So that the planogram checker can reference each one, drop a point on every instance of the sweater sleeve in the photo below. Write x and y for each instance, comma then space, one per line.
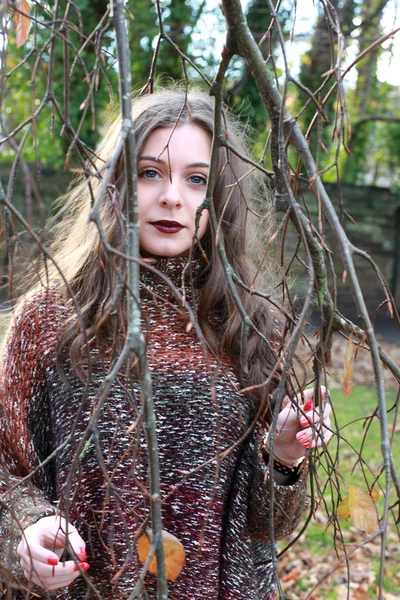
25, 435
289, 501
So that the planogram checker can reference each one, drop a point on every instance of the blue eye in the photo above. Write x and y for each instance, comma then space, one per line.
198, 179
148, 173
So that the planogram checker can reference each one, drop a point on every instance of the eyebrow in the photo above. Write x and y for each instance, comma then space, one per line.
163, 162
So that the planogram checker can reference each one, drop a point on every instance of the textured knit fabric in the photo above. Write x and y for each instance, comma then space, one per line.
219, 510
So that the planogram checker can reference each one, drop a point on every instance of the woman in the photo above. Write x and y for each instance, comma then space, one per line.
62, 344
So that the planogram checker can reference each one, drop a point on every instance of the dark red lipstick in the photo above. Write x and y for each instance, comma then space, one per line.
167, 226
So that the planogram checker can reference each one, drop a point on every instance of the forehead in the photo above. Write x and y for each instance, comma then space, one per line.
185, 141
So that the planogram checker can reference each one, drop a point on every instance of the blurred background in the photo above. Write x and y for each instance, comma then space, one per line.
362, 175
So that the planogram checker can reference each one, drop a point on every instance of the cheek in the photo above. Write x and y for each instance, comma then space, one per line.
143, 200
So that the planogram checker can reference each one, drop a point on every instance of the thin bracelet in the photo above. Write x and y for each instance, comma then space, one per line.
281, 467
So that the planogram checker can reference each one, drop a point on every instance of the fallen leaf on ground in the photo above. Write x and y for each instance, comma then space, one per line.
361, 594
290, 576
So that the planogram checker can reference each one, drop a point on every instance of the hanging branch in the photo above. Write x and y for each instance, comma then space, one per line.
135, 341
280, 116
284, 131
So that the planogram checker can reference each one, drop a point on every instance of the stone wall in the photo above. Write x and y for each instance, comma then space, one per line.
376, 212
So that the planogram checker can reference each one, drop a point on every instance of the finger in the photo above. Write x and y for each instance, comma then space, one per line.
50, 539
308, 397
314, 423
54, 583
322, 439
315, 436
77, 545
305, 437
32, 550
314, 416
327, 410
288, 416
63, 569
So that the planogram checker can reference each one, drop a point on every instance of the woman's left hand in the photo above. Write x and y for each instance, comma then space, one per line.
301, 427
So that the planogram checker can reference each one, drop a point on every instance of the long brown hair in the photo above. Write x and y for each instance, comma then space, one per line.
93, 278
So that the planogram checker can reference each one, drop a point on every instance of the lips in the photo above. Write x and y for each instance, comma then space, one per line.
167, 226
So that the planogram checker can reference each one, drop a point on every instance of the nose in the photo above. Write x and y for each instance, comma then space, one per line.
171, 195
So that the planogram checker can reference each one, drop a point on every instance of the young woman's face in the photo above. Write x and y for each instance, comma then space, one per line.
168, 200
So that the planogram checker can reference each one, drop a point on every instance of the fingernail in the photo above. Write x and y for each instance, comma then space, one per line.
301, 436
52, 561
82, 553
308, 405
304, 422
83, 566
307, 444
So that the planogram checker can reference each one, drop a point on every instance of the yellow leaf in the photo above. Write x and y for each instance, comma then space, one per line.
174, 554
360, 507
347, 385
22, 22
374, 494
343, 510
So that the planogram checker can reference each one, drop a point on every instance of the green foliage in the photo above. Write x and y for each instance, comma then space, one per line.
375, 148
180, 20
27, 86
375, 143
142, 32
242, 93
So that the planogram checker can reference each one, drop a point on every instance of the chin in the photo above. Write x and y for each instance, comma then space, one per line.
165, 252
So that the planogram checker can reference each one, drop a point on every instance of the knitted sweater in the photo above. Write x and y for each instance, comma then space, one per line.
220, 511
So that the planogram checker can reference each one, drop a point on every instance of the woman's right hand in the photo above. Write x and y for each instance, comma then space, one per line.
41, 548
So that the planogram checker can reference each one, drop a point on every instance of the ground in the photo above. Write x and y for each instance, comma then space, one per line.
311, 569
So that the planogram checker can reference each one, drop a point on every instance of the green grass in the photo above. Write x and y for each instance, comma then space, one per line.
360, 431
358, 435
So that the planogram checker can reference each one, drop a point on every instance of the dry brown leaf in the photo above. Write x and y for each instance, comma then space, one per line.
360, 507
290, 576
22, 22
347, 385
361, 594
174, 554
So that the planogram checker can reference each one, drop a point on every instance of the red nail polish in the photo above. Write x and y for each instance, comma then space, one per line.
83, 566
307, 444
52, 561
301, 436
308, 405
304, 422
82, 554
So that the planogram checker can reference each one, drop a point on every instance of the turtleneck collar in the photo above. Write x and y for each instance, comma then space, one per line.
179, 270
